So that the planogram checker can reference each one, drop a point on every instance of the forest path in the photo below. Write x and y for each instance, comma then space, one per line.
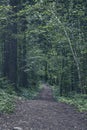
45, 93
43, 114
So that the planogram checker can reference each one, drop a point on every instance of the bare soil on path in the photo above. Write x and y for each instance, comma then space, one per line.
43, 113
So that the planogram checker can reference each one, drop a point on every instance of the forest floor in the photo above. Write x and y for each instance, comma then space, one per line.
43, 113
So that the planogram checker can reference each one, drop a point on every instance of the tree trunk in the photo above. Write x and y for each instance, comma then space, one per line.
10, 47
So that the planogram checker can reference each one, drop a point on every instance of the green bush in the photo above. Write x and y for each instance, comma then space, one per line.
6, 102
55, 92
80, 101
28, 93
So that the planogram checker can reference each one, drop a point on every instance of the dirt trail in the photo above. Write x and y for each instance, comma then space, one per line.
46, 94
43, 114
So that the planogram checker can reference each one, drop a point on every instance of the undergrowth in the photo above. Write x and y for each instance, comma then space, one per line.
27, 93
6, 102
78, 100
8, 94
31, 92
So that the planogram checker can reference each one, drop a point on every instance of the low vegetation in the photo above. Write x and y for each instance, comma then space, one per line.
78, 100
8, 95
29, 93
6, 102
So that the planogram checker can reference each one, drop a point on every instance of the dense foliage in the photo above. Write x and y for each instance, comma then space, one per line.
44, 40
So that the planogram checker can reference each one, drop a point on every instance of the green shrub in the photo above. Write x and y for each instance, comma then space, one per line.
28, 93
6, 102
7, 86
55, 91
78, 100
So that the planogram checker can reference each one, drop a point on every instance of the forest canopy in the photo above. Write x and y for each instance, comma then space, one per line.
44, 40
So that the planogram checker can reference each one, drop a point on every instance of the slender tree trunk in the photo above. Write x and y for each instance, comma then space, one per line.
70, 45
74, 56
73, 53
23, 76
